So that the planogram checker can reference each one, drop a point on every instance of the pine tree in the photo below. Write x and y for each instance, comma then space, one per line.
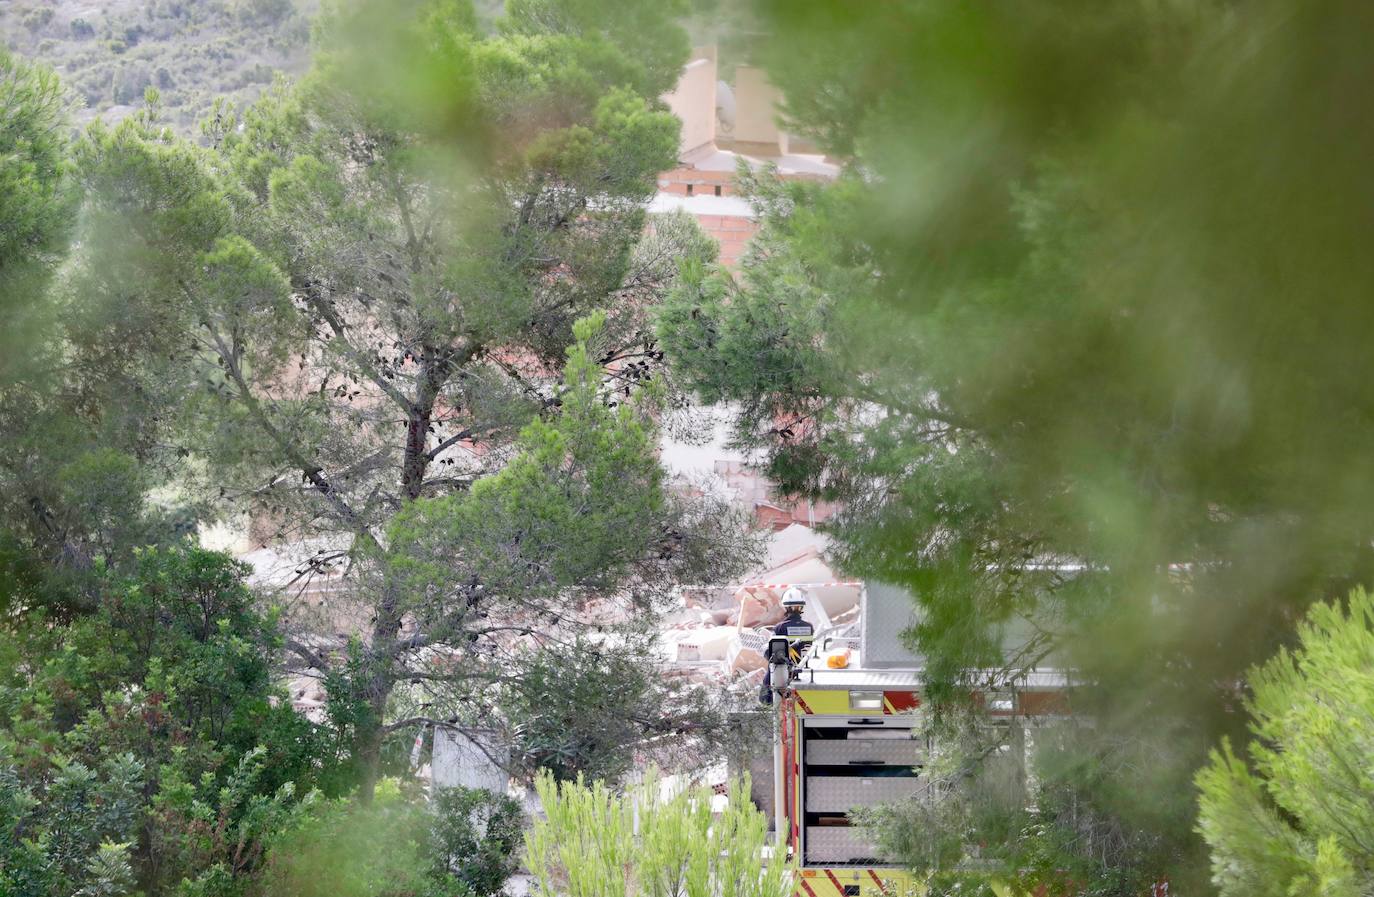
377, 274
1296, 819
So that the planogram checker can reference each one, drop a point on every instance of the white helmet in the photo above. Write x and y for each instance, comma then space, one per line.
794, 597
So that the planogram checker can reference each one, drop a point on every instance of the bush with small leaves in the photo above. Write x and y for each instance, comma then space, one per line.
589, 844
150, 720
263, 11
475, 837
37, 19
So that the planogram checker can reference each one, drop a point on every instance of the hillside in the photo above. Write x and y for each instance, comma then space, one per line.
109, 51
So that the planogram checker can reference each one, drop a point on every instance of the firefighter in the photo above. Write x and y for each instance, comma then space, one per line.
798, 632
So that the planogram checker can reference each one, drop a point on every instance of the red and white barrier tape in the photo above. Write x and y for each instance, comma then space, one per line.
800, 585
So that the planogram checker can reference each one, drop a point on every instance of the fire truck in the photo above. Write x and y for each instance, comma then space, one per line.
850, 733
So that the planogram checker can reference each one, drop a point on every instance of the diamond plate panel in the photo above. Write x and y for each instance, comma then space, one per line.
872, 751
837, 844
840, 794
887, 612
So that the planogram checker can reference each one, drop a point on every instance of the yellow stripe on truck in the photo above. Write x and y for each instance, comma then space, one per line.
831, 882
832, 702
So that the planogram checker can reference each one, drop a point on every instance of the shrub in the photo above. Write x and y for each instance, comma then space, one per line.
346, 849
261, 11
35, 19
588, 844
463, 845
131, 82
474, 837
150, 720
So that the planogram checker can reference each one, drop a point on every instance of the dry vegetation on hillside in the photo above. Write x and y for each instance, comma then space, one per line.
109, 51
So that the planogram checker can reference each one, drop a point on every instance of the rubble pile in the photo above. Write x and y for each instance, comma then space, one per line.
718, 634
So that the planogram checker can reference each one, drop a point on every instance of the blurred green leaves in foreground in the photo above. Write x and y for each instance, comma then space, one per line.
1121, 254
1080, 339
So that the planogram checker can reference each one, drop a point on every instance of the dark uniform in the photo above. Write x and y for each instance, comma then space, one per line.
799, 635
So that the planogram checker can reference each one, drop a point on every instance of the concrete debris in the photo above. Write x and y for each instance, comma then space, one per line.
308, 697
740, 660
706, 643
706, 639
759, 607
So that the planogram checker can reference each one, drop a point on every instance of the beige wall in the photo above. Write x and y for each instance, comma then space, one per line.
756, 103
694, 101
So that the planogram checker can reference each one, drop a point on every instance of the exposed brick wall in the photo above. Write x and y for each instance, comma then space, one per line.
731, 233
701, 183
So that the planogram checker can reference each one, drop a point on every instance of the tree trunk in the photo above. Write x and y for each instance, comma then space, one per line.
369, 739
386, 628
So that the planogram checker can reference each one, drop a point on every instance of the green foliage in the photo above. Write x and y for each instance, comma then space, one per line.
71, 506
595, 843
372, 281
263, 12
86, 410
1295, 820
475, 839
33, 144
144, 748
643, 40
579, 509
59, 838
108, 874
1076, 339
145, 738
415, 238
368, 282
1031, 811
580, 503
591, 706
335, 851
35, 202
461, 845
